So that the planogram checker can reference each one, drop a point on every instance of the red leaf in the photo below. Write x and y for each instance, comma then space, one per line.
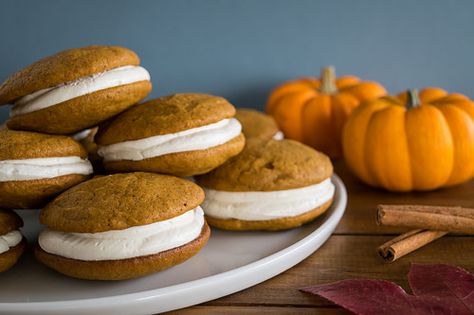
438, 289
377, 297
453, 284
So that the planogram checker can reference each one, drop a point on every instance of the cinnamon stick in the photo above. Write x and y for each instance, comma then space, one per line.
438, 218
407, 243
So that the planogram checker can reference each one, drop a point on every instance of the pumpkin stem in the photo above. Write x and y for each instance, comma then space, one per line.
328, 80
413, 99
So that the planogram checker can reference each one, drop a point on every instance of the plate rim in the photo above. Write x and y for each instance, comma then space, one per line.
83, 306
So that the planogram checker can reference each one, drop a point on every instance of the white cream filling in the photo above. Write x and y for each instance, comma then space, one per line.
199, 138
278, 136
9, 240
122, 244
267, 205
81, 135
30, 169
86, 85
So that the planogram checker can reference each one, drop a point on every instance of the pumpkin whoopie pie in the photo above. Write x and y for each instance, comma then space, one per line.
256, 124
122, 226
271, 185
74, 89
12, 243
35, 167
182, 134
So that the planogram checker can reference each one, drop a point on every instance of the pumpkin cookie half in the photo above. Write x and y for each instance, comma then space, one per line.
35, 167
74, 89
122, 226
271, 185
182, 134
259, 125
12, 243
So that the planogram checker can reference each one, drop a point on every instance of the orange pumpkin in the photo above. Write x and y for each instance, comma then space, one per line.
314, 111
412, 142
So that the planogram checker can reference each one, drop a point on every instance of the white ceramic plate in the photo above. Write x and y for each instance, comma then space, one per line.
231, 261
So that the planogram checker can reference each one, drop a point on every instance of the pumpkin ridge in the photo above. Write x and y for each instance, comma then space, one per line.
465, 105
463, 151
294, 86
289, 121
388, 157
354, 150
338, 118
373, 180
315, 115
398, 171
435, 169
346, 81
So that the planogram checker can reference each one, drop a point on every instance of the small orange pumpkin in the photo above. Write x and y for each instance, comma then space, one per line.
412, 142
314, 111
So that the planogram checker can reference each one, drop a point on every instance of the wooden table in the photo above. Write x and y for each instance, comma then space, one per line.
350, 253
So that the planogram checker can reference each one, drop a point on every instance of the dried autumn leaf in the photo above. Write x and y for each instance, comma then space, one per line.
383, 297
453, 284
377, 297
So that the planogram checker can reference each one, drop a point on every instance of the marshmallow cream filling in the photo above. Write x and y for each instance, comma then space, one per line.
81, 135
9, 240
122, 244
267, 205
278, 136
199, 138
86, 85
30, 169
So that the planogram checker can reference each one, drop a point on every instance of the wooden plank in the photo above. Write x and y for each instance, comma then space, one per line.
363, 200
262, 310
346, 257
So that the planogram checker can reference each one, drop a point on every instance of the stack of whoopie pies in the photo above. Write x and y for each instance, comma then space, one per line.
140, 215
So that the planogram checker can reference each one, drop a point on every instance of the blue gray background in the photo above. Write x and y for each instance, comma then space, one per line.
240, 49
